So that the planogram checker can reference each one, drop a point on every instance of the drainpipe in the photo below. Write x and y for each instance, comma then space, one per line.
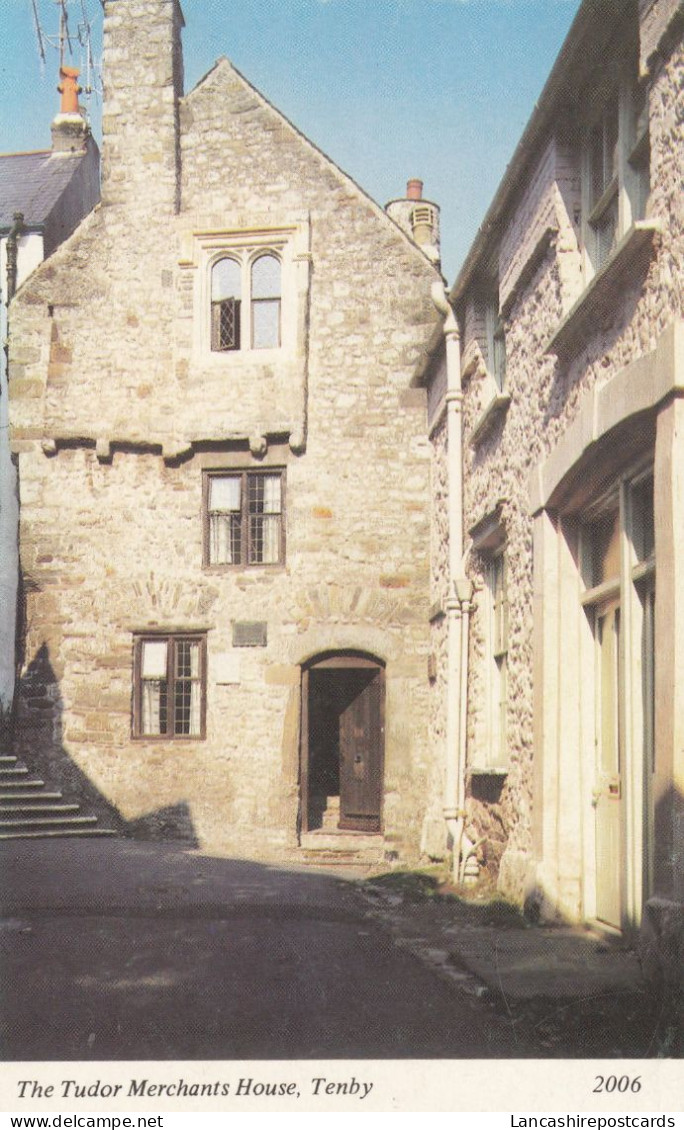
12, 252
458, 605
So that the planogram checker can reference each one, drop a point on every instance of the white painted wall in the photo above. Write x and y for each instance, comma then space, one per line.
30, 254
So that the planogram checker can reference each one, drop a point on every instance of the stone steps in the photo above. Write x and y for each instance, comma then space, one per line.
335, 859
326, 848
51, 833
29, 810
31, 822
38, 806
331, 814
33, 784
331, 846
7, 798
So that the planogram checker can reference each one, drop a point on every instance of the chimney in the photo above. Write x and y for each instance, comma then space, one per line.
69, 128
418, 218
143, 85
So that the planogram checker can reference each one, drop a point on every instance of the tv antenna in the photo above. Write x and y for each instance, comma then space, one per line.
72, 40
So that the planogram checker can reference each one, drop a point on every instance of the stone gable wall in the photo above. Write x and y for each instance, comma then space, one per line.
113, 436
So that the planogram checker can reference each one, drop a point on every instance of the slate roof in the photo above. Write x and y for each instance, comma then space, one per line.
32, 183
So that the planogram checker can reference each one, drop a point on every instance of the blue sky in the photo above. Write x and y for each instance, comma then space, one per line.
390, 89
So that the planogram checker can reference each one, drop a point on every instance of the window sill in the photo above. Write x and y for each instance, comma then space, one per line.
237, 356
175, 738
496, 407
437, 612
274, 567
488, 771
599, 297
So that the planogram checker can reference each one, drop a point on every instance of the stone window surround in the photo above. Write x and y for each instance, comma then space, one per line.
488, 354
637, 389
171, 637
489, 542
642, 396
632, 254
572, 662
203, 249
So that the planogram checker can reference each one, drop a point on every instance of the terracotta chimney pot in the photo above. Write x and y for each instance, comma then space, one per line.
69, 89
414, 189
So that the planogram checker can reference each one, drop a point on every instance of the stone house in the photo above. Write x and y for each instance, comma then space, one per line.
224, 478
43, 196
557, 592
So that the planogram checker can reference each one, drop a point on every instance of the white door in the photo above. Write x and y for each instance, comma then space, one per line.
608, 802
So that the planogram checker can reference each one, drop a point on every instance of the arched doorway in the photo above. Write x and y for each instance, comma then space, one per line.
342, 743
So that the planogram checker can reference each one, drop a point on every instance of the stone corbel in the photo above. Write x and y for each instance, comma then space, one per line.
297, 443
103, 449
49, 446
175, 449
258, 445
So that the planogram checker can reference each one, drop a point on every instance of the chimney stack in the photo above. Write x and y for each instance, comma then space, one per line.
143, 85
418, 218
69, 89
69, 128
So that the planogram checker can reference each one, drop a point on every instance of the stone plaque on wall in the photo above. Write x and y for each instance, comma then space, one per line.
249, 633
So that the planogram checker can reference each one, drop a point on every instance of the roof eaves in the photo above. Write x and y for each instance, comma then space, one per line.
27, 153
32, 229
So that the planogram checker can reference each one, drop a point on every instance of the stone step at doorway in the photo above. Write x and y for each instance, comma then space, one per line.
330, 817
335, 848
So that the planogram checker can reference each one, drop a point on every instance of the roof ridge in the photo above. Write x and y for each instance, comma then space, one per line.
26, 153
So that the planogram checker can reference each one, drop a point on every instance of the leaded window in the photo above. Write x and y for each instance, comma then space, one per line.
169, 686
244, 518
265, 291
226, 294
246, 302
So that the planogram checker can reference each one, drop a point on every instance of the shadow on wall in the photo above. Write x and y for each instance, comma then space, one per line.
661, 938
38, 743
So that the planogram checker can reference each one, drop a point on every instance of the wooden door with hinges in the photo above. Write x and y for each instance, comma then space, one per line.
342, 744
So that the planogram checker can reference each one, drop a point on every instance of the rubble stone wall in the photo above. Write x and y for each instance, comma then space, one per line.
545, 394
113, 435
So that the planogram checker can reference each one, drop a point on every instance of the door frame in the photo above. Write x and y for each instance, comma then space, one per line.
346, 659
630, 594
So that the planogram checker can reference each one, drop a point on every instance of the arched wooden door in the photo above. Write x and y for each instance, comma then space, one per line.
342, 745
